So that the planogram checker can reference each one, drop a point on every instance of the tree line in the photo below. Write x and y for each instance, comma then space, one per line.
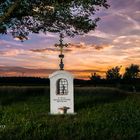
131, 72
129, 80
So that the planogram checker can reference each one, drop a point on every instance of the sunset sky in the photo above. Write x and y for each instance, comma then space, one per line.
115, 42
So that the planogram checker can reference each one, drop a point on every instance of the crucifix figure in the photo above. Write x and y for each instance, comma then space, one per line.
61, 46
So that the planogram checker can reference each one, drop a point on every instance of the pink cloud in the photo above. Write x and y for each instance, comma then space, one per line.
89, 47
10, 53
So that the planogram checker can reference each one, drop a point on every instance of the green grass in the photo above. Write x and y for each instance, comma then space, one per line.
102, 113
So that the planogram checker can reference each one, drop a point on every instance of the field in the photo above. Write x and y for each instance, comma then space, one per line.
102, 114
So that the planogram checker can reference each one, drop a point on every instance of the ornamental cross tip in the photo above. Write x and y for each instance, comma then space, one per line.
61, 46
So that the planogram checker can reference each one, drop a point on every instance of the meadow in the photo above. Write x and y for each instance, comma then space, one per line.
102, 114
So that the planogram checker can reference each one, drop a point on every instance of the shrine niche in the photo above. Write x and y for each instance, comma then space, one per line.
62, 87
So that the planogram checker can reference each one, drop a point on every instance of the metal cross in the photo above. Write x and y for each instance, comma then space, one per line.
61, 46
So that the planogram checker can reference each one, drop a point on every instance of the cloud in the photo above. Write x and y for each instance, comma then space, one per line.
73, 48
10, 53
120, 18
48, 35
103, 46
49, 50
137, 12
134, 23
4, 43
43, 50
129, 41
100, 34
22, 71
77, 46
86, 47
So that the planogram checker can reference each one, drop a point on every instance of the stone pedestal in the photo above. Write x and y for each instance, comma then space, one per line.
61, 93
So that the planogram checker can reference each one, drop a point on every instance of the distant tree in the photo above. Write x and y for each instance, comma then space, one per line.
131, 72
113, 73
95, 77
20, 17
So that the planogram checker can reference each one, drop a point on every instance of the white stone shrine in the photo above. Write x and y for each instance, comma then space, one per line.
61, 93
61, 88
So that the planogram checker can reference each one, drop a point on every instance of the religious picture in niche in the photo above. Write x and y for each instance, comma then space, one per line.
62, 87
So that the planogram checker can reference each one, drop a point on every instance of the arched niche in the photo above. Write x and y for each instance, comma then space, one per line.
62, 86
